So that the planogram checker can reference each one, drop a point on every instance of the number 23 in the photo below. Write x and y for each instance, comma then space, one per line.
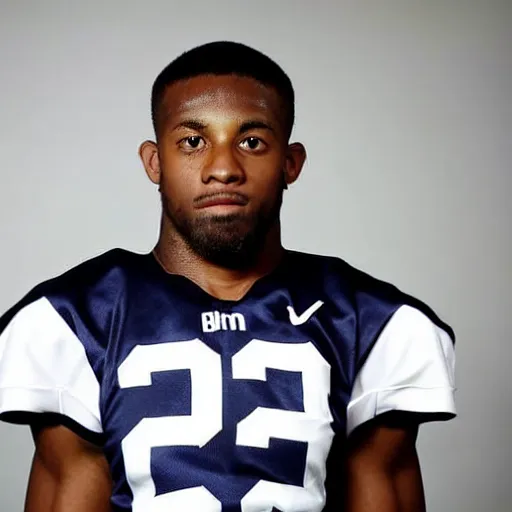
313, 425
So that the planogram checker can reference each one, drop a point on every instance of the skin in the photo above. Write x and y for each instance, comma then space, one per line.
382, 468
224, 135
68, 473
221, 108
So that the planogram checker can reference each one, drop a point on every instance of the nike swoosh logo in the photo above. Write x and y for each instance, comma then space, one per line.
304, 317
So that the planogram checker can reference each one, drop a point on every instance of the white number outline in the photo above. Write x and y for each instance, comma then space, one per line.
312, 426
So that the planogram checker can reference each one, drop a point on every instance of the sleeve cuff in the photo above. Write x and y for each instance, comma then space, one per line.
406, 399
58, 401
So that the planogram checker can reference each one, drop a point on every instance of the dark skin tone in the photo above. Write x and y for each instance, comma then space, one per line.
223, 150
242, 148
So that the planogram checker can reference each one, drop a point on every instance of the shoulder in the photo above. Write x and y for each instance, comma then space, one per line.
401, 352
374, 300
53, 341
98, 278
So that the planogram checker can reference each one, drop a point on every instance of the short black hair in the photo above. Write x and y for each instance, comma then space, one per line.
225, 58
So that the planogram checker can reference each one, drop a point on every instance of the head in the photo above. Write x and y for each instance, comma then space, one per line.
223, 114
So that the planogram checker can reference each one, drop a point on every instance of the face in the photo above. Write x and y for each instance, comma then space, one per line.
222, 162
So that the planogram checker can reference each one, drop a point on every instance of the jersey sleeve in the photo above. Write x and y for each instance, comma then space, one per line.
44, 368
409, 367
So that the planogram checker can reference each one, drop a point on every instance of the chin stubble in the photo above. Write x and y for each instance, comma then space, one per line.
232, 241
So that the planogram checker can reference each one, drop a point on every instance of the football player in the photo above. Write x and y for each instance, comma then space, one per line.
221, 372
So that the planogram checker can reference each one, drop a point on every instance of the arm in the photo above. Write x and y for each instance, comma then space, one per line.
383, 472
406, 379
67, 473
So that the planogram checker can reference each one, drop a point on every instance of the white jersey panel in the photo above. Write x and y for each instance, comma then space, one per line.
410, 368
44, 368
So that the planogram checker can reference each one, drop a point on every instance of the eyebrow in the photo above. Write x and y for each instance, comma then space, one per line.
254, 125
196, 124
193, 124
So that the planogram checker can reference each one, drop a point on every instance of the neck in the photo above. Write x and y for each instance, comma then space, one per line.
176, 257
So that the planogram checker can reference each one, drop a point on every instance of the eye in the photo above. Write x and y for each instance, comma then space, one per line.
191, 143
253, 144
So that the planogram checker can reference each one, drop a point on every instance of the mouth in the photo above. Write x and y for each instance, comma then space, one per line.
222, 200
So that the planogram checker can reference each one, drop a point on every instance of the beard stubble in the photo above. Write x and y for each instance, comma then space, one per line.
233, 240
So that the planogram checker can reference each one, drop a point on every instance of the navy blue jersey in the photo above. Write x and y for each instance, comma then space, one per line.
215, 405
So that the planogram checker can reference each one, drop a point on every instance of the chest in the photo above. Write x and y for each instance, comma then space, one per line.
225, 403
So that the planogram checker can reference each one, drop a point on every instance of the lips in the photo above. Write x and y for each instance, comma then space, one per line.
221, 199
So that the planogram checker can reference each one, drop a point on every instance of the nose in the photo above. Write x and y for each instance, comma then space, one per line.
223, 167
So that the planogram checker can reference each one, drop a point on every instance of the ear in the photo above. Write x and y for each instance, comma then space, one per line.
148, 152
295, 158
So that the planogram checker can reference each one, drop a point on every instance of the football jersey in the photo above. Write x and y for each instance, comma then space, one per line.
210, 405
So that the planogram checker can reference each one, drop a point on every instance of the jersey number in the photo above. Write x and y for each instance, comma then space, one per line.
205, 421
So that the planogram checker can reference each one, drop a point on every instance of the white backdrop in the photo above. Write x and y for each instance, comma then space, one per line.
406, 110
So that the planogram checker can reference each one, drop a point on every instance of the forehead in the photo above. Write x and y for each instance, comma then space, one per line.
229, 94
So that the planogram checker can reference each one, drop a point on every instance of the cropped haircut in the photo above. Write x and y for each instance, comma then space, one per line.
225, 58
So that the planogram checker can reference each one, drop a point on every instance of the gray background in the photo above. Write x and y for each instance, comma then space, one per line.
405, 108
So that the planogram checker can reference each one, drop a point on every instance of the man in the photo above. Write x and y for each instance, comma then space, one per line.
222, 372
